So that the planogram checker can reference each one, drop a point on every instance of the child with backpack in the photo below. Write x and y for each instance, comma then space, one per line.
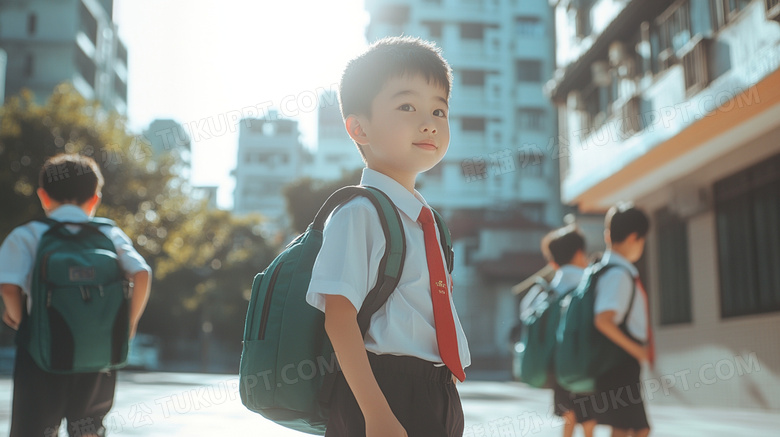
398, 380
564, 249
621, 315
65, 283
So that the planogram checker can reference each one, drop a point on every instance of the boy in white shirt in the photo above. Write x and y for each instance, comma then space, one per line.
621, 314
400, 379
69, 191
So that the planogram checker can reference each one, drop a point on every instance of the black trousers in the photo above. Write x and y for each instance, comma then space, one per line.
618, 400
42, 399
423, 398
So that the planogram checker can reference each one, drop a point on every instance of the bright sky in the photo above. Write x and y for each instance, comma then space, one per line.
203, 62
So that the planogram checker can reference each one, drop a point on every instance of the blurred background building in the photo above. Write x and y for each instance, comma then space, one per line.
336, 154
270, 156
52, 41
675, 105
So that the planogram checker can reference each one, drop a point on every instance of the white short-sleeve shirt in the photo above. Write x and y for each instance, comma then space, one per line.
613, 293
348, 265
566, 279
18, 251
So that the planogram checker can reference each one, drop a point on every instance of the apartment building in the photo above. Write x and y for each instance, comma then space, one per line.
675, 105
52, 41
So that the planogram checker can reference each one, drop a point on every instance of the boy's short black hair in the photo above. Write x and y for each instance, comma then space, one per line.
387, 58
623, 220
70, 178
562, 244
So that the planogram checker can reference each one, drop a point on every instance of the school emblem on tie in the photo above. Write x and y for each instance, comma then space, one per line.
442, 287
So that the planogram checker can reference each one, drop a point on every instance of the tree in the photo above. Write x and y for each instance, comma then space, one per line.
305, 196
199, 256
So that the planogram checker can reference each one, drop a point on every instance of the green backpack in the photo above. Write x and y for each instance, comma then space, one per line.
287, 363
582, 352
80, 318
534, 352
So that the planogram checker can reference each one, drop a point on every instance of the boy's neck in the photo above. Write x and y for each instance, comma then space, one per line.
57, 205
406, 180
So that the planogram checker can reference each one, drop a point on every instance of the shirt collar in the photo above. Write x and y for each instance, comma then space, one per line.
568, 275
611, 257
69, 213
409, 203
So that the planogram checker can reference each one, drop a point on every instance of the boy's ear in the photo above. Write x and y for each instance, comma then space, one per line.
45, 199
355, 129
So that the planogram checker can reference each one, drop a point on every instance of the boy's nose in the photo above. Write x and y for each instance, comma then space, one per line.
428, 126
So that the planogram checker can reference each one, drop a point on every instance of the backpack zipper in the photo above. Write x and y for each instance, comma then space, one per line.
267, 302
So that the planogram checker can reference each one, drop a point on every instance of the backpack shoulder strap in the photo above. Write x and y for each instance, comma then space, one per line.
446, 239
391, 264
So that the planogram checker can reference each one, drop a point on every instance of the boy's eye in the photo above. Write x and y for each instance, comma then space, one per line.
406, 107
439, 113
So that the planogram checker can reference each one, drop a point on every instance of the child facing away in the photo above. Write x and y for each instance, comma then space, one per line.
400, 379
69, 191
564, 249
624, 320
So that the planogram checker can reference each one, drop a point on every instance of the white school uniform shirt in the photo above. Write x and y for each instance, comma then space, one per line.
566, 279
613, 293
348, 265
19, 250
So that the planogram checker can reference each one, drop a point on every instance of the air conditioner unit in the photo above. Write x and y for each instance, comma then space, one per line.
630, 117
617, 53
696, 66
773, 10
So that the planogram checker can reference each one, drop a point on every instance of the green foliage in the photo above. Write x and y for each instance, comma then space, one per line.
200, 257
305, 196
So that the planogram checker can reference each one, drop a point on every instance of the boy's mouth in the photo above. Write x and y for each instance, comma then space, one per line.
427, 145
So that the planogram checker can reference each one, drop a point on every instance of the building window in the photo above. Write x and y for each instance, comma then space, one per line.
531, 163
89, 24
29, 65
674, 31
533, 211
674, 279
530, 119
529, 27
86, 66
434, 29
528, 71
473, 124
472, 78
32, 24
747, 207
472, 31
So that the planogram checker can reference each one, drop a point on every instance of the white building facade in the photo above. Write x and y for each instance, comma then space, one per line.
54, 41
675, 105
270, 156
336, 153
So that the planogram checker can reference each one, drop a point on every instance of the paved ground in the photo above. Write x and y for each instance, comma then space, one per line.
179, 404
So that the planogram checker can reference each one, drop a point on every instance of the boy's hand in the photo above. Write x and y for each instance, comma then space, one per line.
384, 425
13, 324
640, 353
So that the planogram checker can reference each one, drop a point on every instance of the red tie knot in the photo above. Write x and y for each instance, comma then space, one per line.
425, 216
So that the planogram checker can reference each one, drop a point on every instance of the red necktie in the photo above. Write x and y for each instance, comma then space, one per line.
446, 336
650, 340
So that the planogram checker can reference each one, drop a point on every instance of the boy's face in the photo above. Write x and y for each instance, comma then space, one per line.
409, 131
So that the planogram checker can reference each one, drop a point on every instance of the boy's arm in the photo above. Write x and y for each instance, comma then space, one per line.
605, 323
14, 304
344, 333
142, 282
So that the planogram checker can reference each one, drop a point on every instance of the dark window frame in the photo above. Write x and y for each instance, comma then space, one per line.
674, 279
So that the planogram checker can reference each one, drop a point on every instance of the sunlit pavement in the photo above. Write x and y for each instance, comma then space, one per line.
180, 404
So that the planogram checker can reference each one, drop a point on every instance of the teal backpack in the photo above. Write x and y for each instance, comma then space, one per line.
287, 363
80, 319
582, 352
534, 353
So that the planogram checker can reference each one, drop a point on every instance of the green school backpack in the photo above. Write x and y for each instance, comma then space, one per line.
80, 319
582, 352
534, 352
287, 363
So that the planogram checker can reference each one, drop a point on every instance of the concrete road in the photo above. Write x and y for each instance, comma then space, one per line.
181, 404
